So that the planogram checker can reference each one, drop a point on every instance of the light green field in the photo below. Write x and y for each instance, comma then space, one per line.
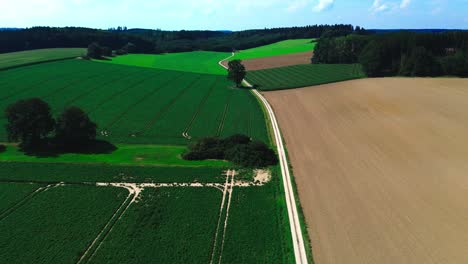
276, 49
15, 59
148, 155
197, 61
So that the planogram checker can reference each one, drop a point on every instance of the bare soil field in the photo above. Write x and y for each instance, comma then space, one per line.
381, 167
276, 61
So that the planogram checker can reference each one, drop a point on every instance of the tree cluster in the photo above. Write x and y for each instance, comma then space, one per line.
239, 149
30, 122
159, 41
400, 53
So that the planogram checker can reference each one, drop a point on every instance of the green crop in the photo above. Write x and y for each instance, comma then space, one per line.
21, 58
58, 224
276, 49
196, 61
303, 75
138, 105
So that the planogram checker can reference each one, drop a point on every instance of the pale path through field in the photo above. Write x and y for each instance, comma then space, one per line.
381, 167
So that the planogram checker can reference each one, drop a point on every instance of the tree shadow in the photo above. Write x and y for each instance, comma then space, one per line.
50, 148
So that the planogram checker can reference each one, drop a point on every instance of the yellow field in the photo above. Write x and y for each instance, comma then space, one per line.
381, 167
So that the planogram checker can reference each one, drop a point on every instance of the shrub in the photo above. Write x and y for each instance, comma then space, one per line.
238, 149
2, 148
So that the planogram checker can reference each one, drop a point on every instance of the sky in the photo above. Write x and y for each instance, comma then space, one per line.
234, 14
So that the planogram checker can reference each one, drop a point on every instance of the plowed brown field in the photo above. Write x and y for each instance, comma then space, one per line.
381, 167
276, 61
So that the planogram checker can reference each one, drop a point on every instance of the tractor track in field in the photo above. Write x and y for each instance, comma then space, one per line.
224, 115
223, 201
29, 88
230, 191
198, 110
93, 89
107, 228
23, 201
108, 99
145, 97
167, 107
300, 254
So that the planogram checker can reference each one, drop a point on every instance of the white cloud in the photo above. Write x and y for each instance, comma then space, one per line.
404, 4
323, 5
378, 6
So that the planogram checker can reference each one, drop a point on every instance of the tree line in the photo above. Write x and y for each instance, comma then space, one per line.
400, 53
159, 41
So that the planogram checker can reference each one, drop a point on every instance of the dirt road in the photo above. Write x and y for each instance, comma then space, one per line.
293, 216
381, 167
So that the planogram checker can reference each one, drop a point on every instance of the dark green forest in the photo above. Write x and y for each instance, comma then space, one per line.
159, 41
399, 53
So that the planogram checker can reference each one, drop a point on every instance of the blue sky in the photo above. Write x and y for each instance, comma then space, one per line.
234, 14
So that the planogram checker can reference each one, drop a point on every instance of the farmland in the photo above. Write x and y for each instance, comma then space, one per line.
196, 61
277, 61
303, 75
15, 59
380, 166
69, 218
276, 49
138, 105
175, 215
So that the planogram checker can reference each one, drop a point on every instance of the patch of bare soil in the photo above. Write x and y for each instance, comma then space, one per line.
381, 167
276, 61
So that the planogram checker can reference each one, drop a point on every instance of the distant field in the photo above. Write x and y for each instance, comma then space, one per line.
138, 105
15, 59
197, 61
303, 75
381, 168
276, 49
125, 154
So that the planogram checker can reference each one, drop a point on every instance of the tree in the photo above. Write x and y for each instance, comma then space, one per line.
94, 51
29, 121
74, 128
236, 72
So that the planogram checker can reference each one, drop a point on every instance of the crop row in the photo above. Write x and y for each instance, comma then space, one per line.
57, 224
303, 75
139, 105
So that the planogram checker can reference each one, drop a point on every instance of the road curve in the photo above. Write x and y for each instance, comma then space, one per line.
295, 225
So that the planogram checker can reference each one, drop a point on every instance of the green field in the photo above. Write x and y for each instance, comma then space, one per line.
303, 75
12, 194
196, 61
168, 226
58, 224
143, 111
138, 105
276, 49
79, 173
15, 59
125, 154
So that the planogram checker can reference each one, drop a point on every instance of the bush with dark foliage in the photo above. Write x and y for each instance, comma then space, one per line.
2, 148
74, 128
29, 121
239, 149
